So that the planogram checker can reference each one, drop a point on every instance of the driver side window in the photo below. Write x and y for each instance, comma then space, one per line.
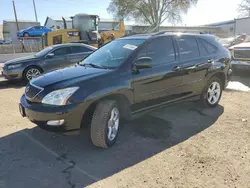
160, 50
61, 51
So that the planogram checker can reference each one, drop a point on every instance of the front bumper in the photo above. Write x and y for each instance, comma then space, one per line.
15, 74
40, 114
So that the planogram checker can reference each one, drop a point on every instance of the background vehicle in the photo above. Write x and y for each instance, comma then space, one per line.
117, 32
228, 42
85, 30
5, 42
51, 58
241, 56
126, 77
34, 31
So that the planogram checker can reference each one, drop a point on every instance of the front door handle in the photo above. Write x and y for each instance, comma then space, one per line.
176, 68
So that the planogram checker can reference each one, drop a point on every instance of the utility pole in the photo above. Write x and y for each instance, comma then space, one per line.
34, 4
14, 8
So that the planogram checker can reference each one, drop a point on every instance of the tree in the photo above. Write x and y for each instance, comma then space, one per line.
244, 8
153, 12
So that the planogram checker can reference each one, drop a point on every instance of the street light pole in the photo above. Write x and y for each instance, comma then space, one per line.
14, 8
34, 4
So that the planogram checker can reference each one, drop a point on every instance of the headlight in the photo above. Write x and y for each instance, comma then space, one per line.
59, 97
14, 66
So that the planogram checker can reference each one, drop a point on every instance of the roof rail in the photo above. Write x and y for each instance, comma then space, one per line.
176, 31
131, 34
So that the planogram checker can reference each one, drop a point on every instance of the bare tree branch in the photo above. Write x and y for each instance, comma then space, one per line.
244, 8
153, 12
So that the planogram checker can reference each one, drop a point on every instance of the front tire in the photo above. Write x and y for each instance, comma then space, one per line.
26, 35
212, 93
105, 124
31, 72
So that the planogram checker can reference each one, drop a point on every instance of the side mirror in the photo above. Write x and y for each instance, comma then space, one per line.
143, 63
50, 55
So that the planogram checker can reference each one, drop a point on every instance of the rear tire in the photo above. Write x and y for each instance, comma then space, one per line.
105, 124
212, 92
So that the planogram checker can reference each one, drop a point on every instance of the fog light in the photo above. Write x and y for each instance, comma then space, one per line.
55, 122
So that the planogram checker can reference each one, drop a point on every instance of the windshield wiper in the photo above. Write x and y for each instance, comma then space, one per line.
93, 65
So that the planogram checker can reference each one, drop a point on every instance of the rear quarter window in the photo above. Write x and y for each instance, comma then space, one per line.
211, 49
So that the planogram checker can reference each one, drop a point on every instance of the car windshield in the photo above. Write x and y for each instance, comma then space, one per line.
113, 54
43, 52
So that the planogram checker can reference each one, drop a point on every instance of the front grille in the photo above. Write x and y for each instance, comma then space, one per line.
32, 91
241, 53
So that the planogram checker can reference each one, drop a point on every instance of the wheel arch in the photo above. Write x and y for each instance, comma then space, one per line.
221, 76
122, 102
25, 32
30, 66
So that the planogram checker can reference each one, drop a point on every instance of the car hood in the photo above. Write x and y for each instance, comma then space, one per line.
20, 60
67, 76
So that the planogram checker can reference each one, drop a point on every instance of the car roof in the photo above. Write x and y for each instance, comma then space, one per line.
164, 33
74, 44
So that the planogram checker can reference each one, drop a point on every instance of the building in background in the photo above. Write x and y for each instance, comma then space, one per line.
221, 29
242, 25
191, 29
1, 32
227, 26
108, 24
10, 28
233, 27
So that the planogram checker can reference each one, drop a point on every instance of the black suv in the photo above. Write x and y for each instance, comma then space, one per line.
126, 77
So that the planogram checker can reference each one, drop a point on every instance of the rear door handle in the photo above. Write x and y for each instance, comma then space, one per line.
176, 68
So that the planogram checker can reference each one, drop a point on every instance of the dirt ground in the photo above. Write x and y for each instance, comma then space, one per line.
179, 146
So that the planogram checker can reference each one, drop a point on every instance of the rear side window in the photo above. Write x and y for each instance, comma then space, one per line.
209, 47
188, 47
61, 51
161, 50
79, 49
203, 50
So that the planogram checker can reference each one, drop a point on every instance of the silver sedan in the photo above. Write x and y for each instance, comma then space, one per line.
51, 58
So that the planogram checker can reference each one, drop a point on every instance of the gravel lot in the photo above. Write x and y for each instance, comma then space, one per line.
179, 146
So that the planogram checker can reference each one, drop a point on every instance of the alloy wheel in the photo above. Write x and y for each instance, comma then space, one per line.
113, 124
32, 73
213, 93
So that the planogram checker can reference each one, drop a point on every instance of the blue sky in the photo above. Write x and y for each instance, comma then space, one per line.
206, 11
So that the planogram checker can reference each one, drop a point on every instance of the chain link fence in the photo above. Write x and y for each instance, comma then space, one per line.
23, 46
